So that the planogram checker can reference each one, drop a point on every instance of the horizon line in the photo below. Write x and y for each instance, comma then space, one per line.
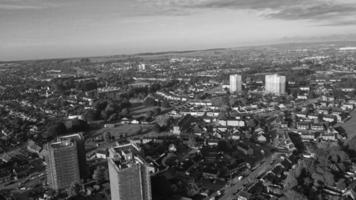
147, 53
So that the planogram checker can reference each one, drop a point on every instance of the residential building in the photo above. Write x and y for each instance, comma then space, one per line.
275, 84
129, 174
62, 164
235, 83
303, 126
78, 138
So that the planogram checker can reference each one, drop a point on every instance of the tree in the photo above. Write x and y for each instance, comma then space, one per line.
99, 174
107, 136
192, 189
163, 121
74, 189
76, 125
55, 130
292, 194
149, 101
351, 146
165, 104
91, 115
291, 181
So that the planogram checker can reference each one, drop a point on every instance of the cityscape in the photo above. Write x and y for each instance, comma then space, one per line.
264, 121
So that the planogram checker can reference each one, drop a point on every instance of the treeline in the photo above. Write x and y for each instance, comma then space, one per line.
64, 127
310, 176
64, 84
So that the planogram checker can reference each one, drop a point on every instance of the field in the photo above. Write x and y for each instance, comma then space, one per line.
143, 109
125, 130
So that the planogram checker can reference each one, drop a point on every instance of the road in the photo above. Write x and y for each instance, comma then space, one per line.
231, 189
237, 185
28, 182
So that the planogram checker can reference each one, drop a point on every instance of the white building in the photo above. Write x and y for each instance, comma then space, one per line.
142, 67
129, 174
275, 84
235, 83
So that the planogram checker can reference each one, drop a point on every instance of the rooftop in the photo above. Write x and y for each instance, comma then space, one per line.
61, 144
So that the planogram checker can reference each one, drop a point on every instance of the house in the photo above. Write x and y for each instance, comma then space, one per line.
210, 174
347, 89
301, 115
5, 157
337, 116
243, 195
312, 116
259, 131
101, 154
235, 137
222, 122
76, 117
235, 168
303, 125
135, 121
176, 130
317, 127
125, 121
222, 129
324, 103
284, 125
212, 114
213, 142
207, 120
305, 89
323, 110
261, 139
235, 123
307, 136
109, 125
328, 136
303, 97
329, 118
352, 101
33, 147
347, 107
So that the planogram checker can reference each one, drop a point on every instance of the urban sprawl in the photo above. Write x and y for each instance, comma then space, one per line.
259, 123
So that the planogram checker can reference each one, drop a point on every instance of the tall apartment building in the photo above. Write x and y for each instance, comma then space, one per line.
62, 164
275, 84
235, 83
129, 174
142, 67
78, 138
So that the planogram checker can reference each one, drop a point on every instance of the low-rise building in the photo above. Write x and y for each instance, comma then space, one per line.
303, 125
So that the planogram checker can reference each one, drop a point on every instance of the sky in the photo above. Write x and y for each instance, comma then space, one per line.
35, 29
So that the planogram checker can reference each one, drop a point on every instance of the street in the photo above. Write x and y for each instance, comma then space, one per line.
237, 185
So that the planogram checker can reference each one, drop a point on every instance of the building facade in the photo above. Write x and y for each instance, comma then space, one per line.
275, 84
62, 164
235, 83
78, 138
129, 175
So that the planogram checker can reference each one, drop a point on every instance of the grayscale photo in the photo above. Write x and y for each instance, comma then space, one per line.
177, 100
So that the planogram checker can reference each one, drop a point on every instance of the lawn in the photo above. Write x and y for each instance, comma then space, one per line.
350, 125
125, 130
142, 109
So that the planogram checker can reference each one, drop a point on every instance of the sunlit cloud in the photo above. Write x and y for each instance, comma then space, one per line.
322, 11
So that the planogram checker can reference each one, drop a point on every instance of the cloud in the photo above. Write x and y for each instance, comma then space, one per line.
26, 4
321, 11
250, 4
324, 11
17, 7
